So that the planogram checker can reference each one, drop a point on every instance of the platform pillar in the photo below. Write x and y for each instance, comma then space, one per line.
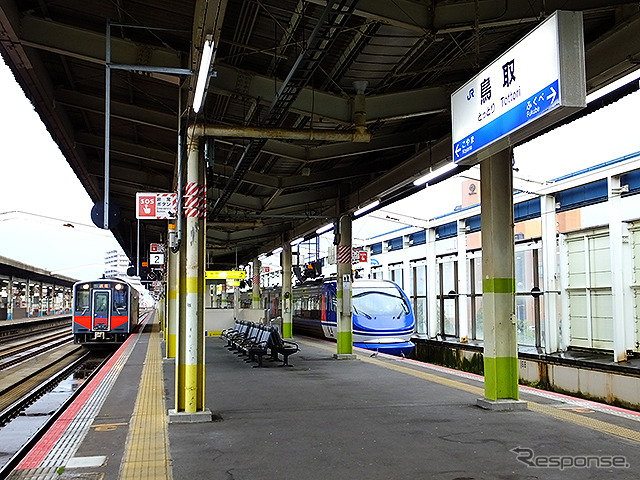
344, 283
287, 313
498, 273
10, 299
28, 301
173, 301
255, 304
40, 303
190, 343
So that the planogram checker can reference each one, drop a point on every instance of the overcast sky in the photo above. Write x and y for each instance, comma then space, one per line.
40, 194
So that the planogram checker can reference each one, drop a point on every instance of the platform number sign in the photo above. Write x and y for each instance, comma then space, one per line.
156, 259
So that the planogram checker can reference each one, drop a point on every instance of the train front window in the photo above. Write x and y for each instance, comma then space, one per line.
371, 302
82, 300
120, 299
101, 303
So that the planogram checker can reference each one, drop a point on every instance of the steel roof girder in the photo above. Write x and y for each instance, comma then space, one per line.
122, 111
90, 46
328, 106
231, 80
126, 148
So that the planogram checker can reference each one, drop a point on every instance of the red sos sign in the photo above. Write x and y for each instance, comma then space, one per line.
146, 206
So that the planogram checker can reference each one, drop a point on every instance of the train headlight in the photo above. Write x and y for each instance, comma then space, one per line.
85, 286
118, 286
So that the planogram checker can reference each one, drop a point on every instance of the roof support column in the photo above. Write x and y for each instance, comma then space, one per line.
28, 299
344, 281
10, 299
40, 303
173, 301
190, 343
287, 314
498, 284
257, 265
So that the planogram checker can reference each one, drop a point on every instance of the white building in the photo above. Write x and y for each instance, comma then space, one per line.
116, 264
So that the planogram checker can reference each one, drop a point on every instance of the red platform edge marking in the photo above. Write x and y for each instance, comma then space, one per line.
39, 452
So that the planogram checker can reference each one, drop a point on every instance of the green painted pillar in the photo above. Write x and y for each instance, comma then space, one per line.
287, 312
344, 284
498, 284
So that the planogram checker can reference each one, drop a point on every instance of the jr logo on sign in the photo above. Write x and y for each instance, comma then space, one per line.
146, 206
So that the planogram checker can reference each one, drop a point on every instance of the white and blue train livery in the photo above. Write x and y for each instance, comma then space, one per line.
382, 315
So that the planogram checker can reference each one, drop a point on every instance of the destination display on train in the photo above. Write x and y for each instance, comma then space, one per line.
521, 86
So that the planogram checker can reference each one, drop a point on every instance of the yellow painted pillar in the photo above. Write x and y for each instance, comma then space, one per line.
190, 343
173, 301
256, 304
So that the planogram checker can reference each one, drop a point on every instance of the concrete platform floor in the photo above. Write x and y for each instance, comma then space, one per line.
387, 418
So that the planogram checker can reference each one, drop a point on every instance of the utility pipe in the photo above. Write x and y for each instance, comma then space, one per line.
360, 134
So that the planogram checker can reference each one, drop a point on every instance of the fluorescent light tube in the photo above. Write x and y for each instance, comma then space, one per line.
366, 208
435, 174
326, 228
203, 74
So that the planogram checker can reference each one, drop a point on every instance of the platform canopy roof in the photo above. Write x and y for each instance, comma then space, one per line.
263, 192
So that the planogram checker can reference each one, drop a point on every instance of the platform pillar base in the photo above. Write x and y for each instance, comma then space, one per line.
502, 404
183, 417
345, 356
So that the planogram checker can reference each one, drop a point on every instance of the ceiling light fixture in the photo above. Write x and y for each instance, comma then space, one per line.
366, 208
435, 174
324, 229
203, 74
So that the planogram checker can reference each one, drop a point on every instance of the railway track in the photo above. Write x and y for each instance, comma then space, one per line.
13, 352
23, 384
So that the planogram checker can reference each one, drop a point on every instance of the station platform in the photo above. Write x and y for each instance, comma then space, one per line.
372, 417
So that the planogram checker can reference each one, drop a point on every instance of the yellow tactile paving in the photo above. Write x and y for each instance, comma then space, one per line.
560, 414
147, 450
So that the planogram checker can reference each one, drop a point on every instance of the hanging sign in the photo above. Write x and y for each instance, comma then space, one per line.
537, 82
156, 206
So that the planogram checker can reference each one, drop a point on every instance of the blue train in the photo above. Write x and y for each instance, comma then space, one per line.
383, 319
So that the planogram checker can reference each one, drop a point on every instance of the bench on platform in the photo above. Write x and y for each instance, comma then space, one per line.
255, 340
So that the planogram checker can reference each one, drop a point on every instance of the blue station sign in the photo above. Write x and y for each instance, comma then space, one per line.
543, 73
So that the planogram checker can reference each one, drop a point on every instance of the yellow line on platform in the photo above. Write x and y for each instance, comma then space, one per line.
560, 414
147, 449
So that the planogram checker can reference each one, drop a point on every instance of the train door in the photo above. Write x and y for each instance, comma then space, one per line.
101, 303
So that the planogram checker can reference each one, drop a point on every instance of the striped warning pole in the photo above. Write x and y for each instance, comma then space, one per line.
190, 351
344, 281
498, 284
257, 265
